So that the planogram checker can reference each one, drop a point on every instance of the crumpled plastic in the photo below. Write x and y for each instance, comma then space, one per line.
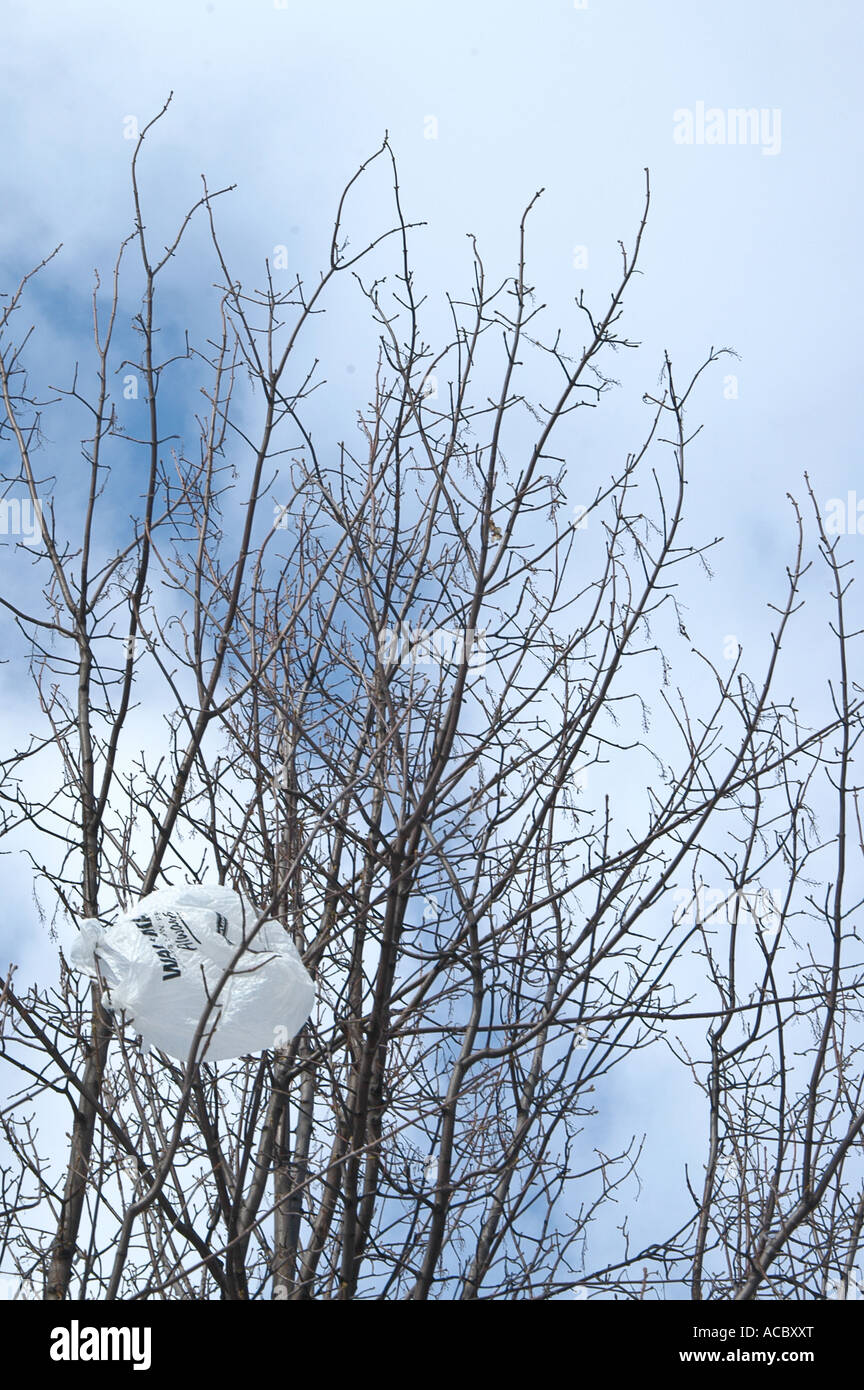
161, 961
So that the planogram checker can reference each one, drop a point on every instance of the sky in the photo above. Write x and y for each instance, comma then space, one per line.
751, 245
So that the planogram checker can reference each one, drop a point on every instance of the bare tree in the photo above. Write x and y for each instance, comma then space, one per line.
402, 686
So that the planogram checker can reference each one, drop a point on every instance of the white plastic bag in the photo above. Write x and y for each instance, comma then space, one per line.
162, 960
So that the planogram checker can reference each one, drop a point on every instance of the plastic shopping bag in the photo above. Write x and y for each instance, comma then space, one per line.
162, 960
